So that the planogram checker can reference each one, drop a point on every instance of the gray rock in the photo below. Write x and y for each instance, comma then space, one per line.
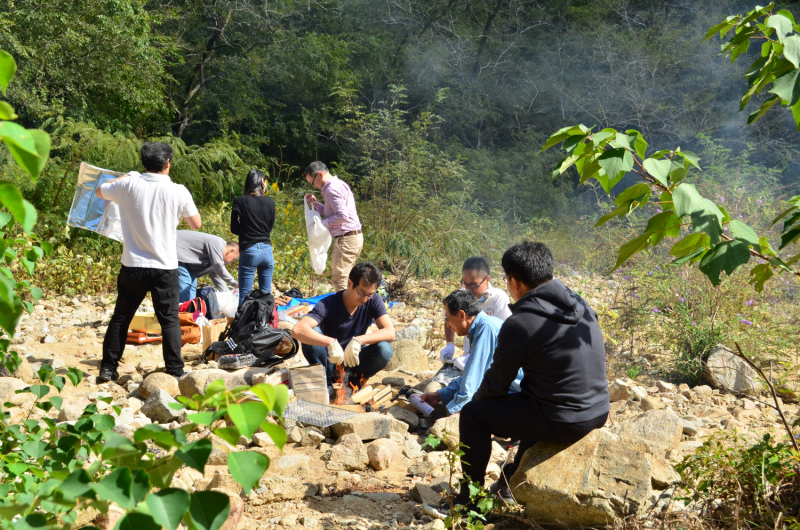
157, 408
295, 434
262, 439
349, 454
425, 494
394, 382
651, 403
290, 462
447, 430
404, 415
412, 449
727, 371
689, 428
413, 332
620, 390
382, 454
72, 409
592, 482
409, 355
279, 488
196, 381
420, 468
369, 426
311, 439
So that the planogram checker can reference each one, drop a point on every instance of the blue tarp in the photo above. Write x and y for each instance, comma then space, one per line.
298, 301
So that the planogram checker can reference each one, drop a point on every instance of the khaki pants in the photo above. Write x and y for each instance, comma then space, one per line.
346, 250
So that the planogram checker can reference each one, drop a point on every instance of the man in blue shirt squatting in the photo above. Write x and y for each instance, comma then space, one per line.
335, 331
463, 315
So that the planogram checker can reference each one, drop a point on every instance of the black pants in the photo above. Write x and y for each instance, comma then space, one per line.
133, 284
513, 416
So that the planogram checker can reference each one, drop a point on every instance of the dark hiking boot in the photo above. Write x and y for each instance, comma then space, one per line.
501, 489
106, 375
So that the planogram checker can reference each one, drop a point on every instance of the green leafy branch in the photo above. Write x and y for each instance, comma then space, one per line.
52, 470
31, 149
608, 155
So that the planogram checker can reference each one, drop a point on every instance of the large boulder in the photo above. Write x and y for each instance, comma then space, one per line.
661, 430
592, 482
156, 381
369, 426
727, 371
409, 355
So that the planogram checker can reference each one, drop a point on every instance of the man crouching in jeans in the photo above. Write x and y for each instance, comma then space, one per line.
554, 336
150, 208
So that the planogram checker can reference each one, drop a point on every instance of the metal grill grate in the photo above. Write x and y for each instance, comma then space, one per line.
315, 414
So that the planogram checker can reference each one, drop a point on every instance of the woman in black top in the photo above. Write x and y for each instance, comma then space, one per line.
252, 219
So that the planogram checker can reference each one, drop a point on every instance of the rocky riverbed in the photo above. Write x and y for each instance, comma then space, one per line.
373, 471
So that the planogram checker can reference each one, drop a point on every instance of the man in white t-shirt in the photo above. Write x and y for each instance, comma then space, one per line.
151, 206
492, 301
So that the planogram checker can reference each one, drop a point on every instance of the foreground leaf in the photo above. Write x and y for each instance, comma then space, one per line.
168, 507
724, 257
247, 467
209, 509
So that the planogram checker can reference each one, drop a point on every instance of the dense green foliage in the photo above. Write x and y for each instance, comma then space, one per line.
436, 108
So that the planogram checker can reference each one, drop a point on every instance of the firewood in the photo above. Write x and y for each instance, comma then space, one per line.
384, 400
363, 395
382, 393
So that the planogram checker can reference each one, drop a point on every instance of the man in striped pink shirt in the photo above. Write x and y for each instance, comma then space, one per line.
339, 217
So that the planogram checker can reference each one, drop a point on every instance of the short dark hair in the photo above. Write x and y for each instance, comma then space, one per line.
462, 300
367, 271
315, 167
155, 156
477, 264
530, 263
232, 244
254, 182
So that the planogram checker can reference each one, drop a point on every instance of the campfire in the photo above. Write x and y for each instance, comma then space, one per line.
352, 392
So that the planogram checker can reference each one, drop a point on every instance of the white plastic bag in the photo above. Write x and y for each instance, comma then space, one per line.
319, 239
228, 302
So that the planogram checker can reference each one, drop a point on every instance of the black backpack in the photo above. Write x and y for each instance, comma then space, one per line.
250, 332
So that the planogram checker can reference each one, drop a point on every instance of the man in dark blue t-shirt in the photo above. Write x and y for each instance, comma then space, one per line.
335, 331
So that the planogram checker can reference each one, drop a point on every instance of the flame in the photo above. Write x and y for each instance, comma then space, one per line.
341, 391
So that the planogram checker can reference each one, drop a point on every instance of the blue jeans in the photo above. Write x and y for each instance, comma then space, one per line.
255, 258
187, 283
372, 359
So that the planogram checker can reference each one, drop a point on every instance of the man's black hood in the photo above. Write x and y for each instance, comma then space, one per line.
551, 300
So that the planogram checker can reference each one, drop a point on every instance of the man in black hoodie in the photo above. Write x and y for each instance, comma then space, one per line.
554, 336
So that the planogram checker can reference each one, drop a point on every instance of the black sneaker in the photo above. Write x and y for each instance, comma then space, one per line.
501, 489
106, 375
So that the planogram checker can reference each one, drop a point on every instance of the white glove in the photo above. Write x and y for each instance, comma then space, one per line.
335, 353
447, 352
351, 353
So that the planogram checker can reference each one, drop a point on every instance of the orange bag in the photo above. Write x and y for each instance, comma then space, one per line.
190, 332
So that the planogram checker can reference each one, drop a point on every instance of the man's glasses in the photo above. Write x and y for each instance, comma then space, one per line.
473, 285
362, 295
